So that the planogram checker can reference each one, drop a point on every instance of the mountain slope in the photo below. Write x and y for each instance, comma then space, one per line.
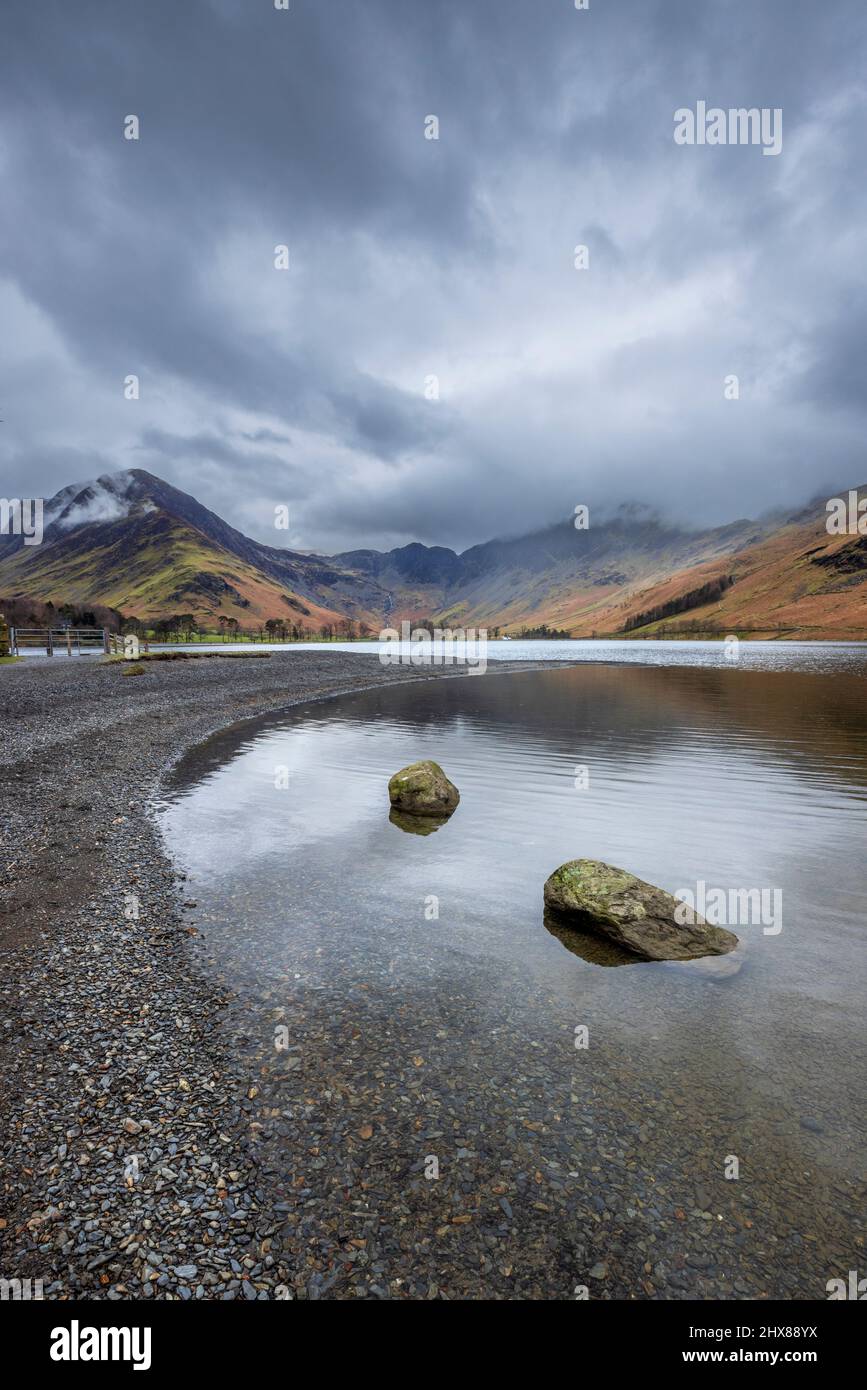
798, 581
577, 580
790, 577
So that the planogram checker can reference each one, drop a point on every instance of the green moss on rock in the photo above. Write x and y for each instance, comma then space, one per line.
592, 896
422, 789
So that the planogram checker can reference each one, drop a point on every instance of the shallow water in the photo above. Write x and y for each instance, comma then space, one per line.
424, 998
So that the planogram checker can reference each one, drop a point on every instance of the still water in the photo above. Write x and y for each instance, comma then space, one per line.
398, 997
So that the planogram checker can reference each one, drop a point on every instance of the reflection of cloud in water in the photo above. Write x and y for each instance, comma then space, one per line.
736, 779
250, 818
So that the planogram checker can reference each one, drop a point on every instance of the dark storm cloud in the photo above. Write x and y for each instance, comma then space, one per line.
412, 260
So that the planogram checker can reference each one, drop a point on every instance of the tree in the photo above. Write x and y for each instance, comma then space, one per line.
166, 627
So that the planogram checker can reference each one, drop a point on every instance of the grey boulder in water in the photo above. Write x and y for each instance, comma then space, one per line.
422, 789
592, 896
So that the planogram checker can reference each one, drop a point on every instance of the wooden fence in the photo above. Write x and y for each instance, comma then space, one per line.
51, 640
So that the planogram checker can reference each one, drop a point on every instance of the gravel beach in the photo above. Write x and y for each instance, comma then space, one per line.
127, 1167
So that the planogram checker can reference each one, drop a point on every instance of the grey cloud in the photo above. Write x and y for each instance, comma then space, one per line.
413, 257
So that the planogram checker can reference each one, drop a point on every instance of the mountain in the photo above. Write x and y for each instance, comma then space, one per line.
635, 573
132, 542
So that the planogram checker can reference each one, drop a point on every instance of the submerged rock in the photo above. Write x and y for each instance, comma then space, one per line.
590, 946
713, 967
635, 915
422, 789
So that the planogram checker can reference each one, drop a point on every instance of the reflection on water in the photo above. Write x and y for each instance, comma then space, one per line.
584, 944
416, 825
316, 911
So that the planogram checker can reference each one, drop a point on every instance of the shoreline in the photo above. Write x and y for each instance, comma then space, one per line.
126, 1144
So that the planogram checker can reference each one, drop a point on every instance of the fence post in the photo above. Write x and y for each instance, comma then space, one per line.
105, 646
50, 643
69, 641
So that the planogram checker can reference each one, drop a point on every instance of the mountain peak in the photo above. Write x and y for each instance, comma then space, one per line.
110, 497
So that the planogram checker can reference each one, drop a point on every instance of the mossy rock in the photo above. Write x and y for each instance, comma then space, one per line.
422, 789
635, 915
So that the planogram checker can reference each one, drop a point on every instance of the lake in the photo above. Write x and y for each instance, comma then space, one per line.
746, 656
454, 1099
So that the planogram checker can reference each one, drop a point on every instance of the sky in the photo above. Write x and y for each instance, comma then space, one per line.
433, 365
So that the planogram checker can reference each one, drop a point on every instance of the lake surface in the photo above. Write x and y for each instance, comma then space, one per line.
818, 657
827, 657
409, 1021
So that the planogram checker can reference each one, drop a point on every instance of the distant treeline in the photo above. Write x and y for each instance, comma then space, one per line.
176, 627
185, 627
696, 598
29, 612
544, 633
441, 626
